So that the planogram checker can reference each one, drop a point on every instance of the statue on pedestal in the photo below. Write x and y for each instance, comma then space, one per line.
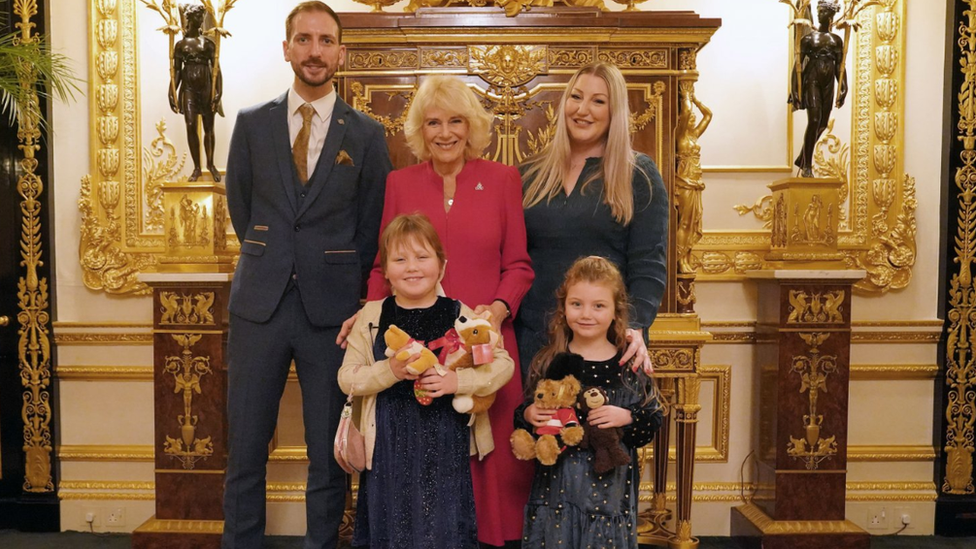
819, 63
196, 86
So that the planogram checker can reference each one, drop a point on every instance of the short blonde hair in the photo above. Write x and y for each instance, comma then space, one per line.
451, 94
404, 227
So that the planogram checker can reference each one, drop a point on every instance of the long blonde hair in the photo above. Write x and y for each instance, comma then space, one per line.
546, 170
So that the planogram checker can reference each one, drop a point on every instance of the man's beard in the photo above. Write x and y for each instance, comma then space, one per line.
300, 73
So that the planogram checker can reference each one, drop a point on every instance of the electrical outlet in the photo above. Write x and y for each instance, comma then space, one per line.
877, 518
115, 517
903, 517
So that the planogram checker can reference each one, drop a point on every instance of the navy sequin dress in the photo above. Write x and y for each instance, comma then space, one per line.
570, 506
418, 494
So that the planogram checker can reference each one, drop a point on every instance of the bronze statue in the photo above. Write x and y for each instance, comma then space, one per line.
820, 63
195, 90
688, 183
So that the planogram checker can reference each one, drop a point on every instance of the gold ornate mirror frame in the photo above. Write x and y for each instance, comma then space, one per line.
121, 232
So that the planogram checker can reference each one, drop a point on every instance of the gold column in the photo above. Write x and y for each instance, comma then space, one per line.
675, 343
34, 345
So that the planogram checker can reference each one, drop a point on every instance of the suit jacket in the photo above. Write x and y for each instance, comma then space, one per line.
329, 238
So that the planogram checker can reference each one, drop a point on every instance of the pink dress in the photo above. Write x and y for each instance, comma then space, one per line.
484, 239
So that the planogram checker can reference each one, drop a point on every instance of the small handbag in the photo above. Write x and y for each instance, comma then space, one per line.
350, 444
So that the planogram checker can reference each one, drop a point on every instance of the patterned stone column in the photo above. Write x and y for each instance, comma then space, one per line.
190, 377
803, 351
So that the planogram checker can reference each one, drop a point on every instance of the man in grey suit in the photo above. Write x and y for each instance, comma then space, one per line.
305, 184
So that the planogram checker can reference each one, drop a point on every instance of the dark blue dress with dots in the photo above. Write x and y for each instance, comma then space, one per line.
572, 507
418, 495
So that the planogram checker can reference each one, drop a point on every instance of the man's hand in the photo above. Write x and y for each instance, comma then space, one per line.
342, 338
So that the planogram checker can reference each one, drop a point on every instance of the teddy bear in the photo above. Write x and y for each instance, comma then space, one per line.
398, 340
558, 390
401, 345
471, 345
608, 451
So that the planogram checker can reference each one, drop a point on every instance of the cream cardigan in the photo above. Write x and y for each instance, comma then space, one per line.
364, 378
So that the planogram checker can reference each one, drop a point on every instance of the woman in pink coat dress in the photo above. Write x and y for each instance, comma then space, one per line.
476, 207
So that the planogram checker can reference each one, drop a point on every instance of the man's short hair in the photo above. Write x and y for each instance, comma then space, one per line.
311, 5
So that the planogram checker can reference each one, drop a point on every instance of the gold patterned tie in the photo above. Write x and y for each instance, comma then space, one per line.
299, 151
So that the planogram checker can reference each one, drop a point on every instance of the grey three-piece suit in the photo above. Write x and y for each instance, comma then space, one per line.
305, 254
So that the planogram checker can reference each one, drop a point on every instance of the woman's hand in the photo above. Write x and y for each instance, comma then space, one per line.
637, 350
499, 312
607, 416
399, 367
341, 339
537, 416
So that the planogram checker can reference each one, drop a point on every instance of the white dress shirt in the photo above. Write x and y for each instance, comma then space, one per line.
320, 123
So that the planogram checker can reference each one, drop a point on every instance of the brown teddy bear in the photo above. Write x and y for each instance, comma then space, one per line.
608, 450
474, 347
558, 391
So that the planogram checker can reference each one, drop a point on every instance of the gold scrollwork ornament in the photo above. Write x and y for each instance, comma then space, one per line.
187, 371
33, 345
813, 370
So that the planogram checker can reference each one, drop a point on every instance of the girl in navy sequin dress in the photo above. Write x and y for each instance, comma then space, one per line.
416, 491
570, 505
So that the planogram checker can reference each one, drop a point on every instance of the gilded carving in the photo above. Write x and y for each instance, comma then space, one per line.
382, 60
636, 59
672, 359
107, 264
103, 339
813, 370
831, 158
361, 101
507, 66
815, 307
960, 376
688, 182
186, 309
444, 58
687, 59
762, 210
160, 163
187, 371
639, 121
190, 226
570, 57
811, 228
33, 344
892, 254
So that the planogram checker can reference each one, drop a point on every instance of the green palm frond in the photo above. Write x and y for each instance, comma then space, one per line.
54, 76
